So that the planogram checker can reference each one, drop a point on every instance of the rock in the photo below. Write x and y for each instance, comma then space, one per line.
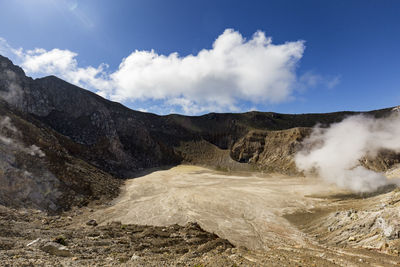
92, 222
60, 240
56, 249
270, 150
349, 213
33, 242
134, 257
384, 246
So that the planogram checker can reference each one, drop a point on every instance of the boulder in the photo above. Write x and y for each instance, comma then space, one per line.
56, 249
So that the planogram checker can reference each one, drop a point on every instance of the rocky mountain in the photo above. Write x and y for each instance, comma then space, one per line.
61, 145
37, 170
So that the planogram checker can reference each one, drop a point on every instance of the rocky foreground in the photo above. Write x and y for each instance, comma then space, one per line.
30, 238
360, 233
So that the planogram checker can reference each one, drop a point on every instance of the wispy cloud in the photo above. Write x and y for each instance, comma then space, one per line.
311, 79
218, 79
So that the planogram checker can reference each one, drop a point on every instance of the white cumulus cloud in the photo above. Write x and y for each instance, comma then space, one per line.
63, 63
234, 69
218, 79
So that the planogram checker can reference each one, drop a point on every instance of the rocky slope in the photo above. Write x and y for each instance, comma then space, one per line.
30, 238
271, 151
36, 169
87, 140
369, 222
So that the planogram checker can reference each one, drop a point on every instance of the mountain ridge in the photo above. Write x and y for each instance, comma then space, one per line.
117, 141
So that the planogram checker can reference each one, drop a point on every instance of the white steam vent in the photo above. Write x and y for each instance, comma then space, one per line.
334, 152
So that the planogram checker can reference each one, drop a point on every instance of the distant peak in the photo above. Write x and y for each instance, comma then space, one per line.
50, 77
7, 64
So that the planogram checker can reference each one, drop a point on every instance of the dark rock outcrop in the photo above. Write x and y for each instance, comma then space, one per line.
271, 151
36, 169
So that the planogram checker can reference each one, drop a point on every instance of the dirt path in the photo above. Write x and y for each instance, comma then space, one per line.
245, 208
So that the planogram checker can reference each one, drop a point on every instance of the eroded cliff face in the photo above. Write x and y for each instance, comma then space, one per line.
36, 169
384, 161
274, 151
271, 151
114, 138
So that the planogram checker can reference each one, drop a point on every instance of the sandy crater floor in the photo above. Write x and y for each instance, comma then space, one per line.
284, 221
246, 208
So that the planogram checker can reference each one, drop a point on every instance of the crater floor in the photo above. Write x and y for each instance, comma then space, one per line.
272, 220
248, 209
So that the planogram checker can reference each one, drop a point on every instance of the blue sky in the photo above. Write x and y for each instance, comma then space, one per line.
324, 55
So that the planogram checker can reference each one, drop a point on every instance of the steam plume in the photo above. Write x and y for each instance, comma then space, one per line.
335, 152
7, 129
14, 92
